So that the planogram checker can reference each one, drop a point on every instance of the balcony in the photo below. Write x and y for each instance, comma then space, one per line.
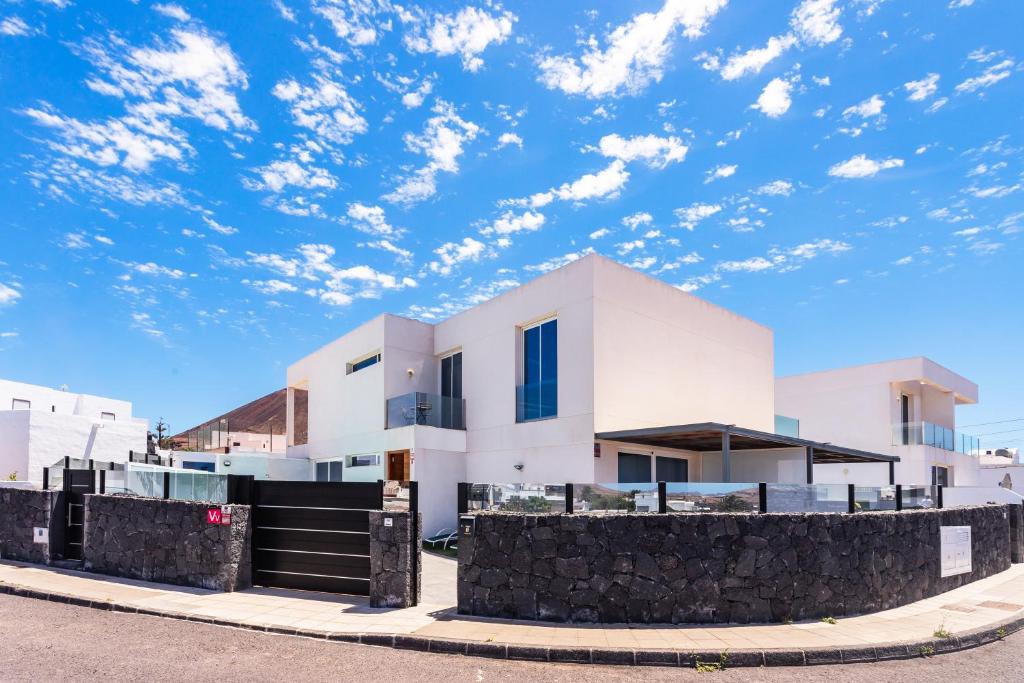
429, 410
928, 434
537, 401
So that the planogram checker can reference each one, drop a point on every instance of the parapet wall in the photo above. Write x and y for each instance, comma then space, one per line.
169, 541
22, 511
715, 568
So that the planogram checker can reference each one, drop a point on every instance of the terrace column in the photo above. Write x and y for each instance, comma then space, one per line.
726, 464
810, 464
892, 472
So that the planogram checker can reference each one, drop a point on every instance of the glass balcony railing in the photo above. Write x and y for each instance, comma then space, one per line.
928, 434
787, 426
536, 401
429, 410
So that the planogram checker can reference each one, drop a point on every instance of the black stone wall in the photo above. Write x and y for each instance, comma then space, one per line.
715, 568
21, 511
396, 559
1016, 533
168, 541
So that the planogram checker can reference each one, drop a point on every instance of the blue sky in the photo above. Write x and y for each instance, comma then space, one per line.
196, 196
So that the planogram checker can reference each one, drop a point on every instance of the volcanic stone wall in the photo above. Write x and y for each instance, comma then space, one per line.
168, 541
396, 559
715, 568
21, 512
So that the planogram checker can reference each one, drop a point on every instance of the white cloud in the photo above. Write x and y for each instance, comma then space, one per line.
753, 61
388, 246
816, 22
635, 52
656, 151
452, 254
60, 175
957, 4
510, 139
353, 22
15, 26
509, 223
604, 184
277, 175
937, 105
599, 233
823, 81
441, 141
414, 98
637, 219
718, 172
626, 247
691, 215
906, 260
860, 166
8, 335
996, 191
103, 239
989, 77
467, 34
75, 240
325, 108
176, 12
922, 89
271, 287
868, 108
217, 227
157, 270
774, 100
778, 188
371, 220
284, 10
8, 295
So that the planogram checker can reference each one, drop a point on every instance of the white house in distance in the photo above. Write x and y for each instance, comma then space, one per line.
39, 426
591, 373
902, 407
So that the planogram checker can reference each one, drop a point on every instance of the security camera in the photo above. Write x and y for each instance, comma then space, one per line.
519, 467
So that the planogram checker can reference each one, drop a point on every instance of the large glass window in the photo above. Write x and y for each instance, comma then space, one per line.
671, 469
539, 392
329, 470
634, 468
451, 392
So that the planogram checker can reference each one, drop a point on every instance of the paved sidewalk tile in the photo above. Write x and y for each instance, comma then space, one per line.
974, 606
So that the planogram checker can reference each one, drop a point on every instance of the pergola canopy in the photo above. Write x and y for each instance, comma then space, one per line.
711, 436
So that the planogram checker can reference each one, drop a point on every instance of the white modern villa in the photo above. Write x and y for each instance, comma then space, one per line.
39, 426
902, 407
593, 372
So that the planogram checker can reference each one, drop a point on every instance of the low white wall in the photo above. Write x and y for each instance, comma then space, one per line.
956, 496
995, 476
438, 474
14, 443
53, 436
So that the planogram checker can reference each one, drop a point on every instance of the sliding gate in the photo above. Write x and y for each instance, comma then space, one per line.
313, 535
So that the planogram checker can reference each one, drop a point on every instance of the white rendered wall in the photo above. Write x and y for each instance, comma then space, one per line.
665, 357
14, 449
552, 450
438, 473
45, 399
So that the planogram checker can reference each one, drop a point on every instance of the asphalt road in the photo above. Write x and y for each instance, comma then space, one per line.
44, 641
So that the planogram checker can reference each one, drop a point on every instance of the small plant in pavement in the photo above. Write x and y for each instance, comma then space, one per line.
829, 620
926, 650
710, 667
942, 633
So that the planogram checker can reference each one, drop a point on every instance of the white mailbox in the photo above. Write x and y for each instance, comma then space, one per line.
955, 546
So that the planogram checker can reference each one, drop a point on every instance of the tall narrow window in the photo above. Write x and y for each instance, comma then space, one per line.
451, 392
539, 392
905, 417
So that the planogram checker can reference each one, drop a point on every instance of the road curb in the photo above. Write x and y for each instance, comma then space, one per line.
583, 655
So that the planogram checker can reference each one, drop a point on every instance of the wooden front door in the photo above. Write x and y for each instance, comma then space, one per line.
398, 466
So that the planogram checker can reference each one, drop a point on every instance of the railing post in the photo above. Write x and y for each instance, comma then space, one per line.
892, 472
103, 481
463, 497
852, 498
131, 456
414, 510
899, 496
938, 502
46, 478
762, 497
380, 494
569, 497
67, 462
167, 485
90, 464
662, 498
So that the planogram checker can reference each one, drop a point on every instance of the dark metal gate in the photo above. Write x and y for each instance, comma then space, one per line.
77, 483
313, 535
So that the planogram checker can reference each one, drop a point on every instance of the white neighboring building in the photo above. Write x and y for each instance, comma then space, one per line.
1002, 467
39, 426
559, 380
902, 407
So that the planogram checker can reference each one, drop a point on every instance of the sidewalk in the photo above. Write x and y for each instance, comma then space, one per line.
974, 614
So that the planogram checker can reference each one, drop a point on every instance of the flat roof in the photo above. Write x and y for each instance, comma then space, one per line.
707, 436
